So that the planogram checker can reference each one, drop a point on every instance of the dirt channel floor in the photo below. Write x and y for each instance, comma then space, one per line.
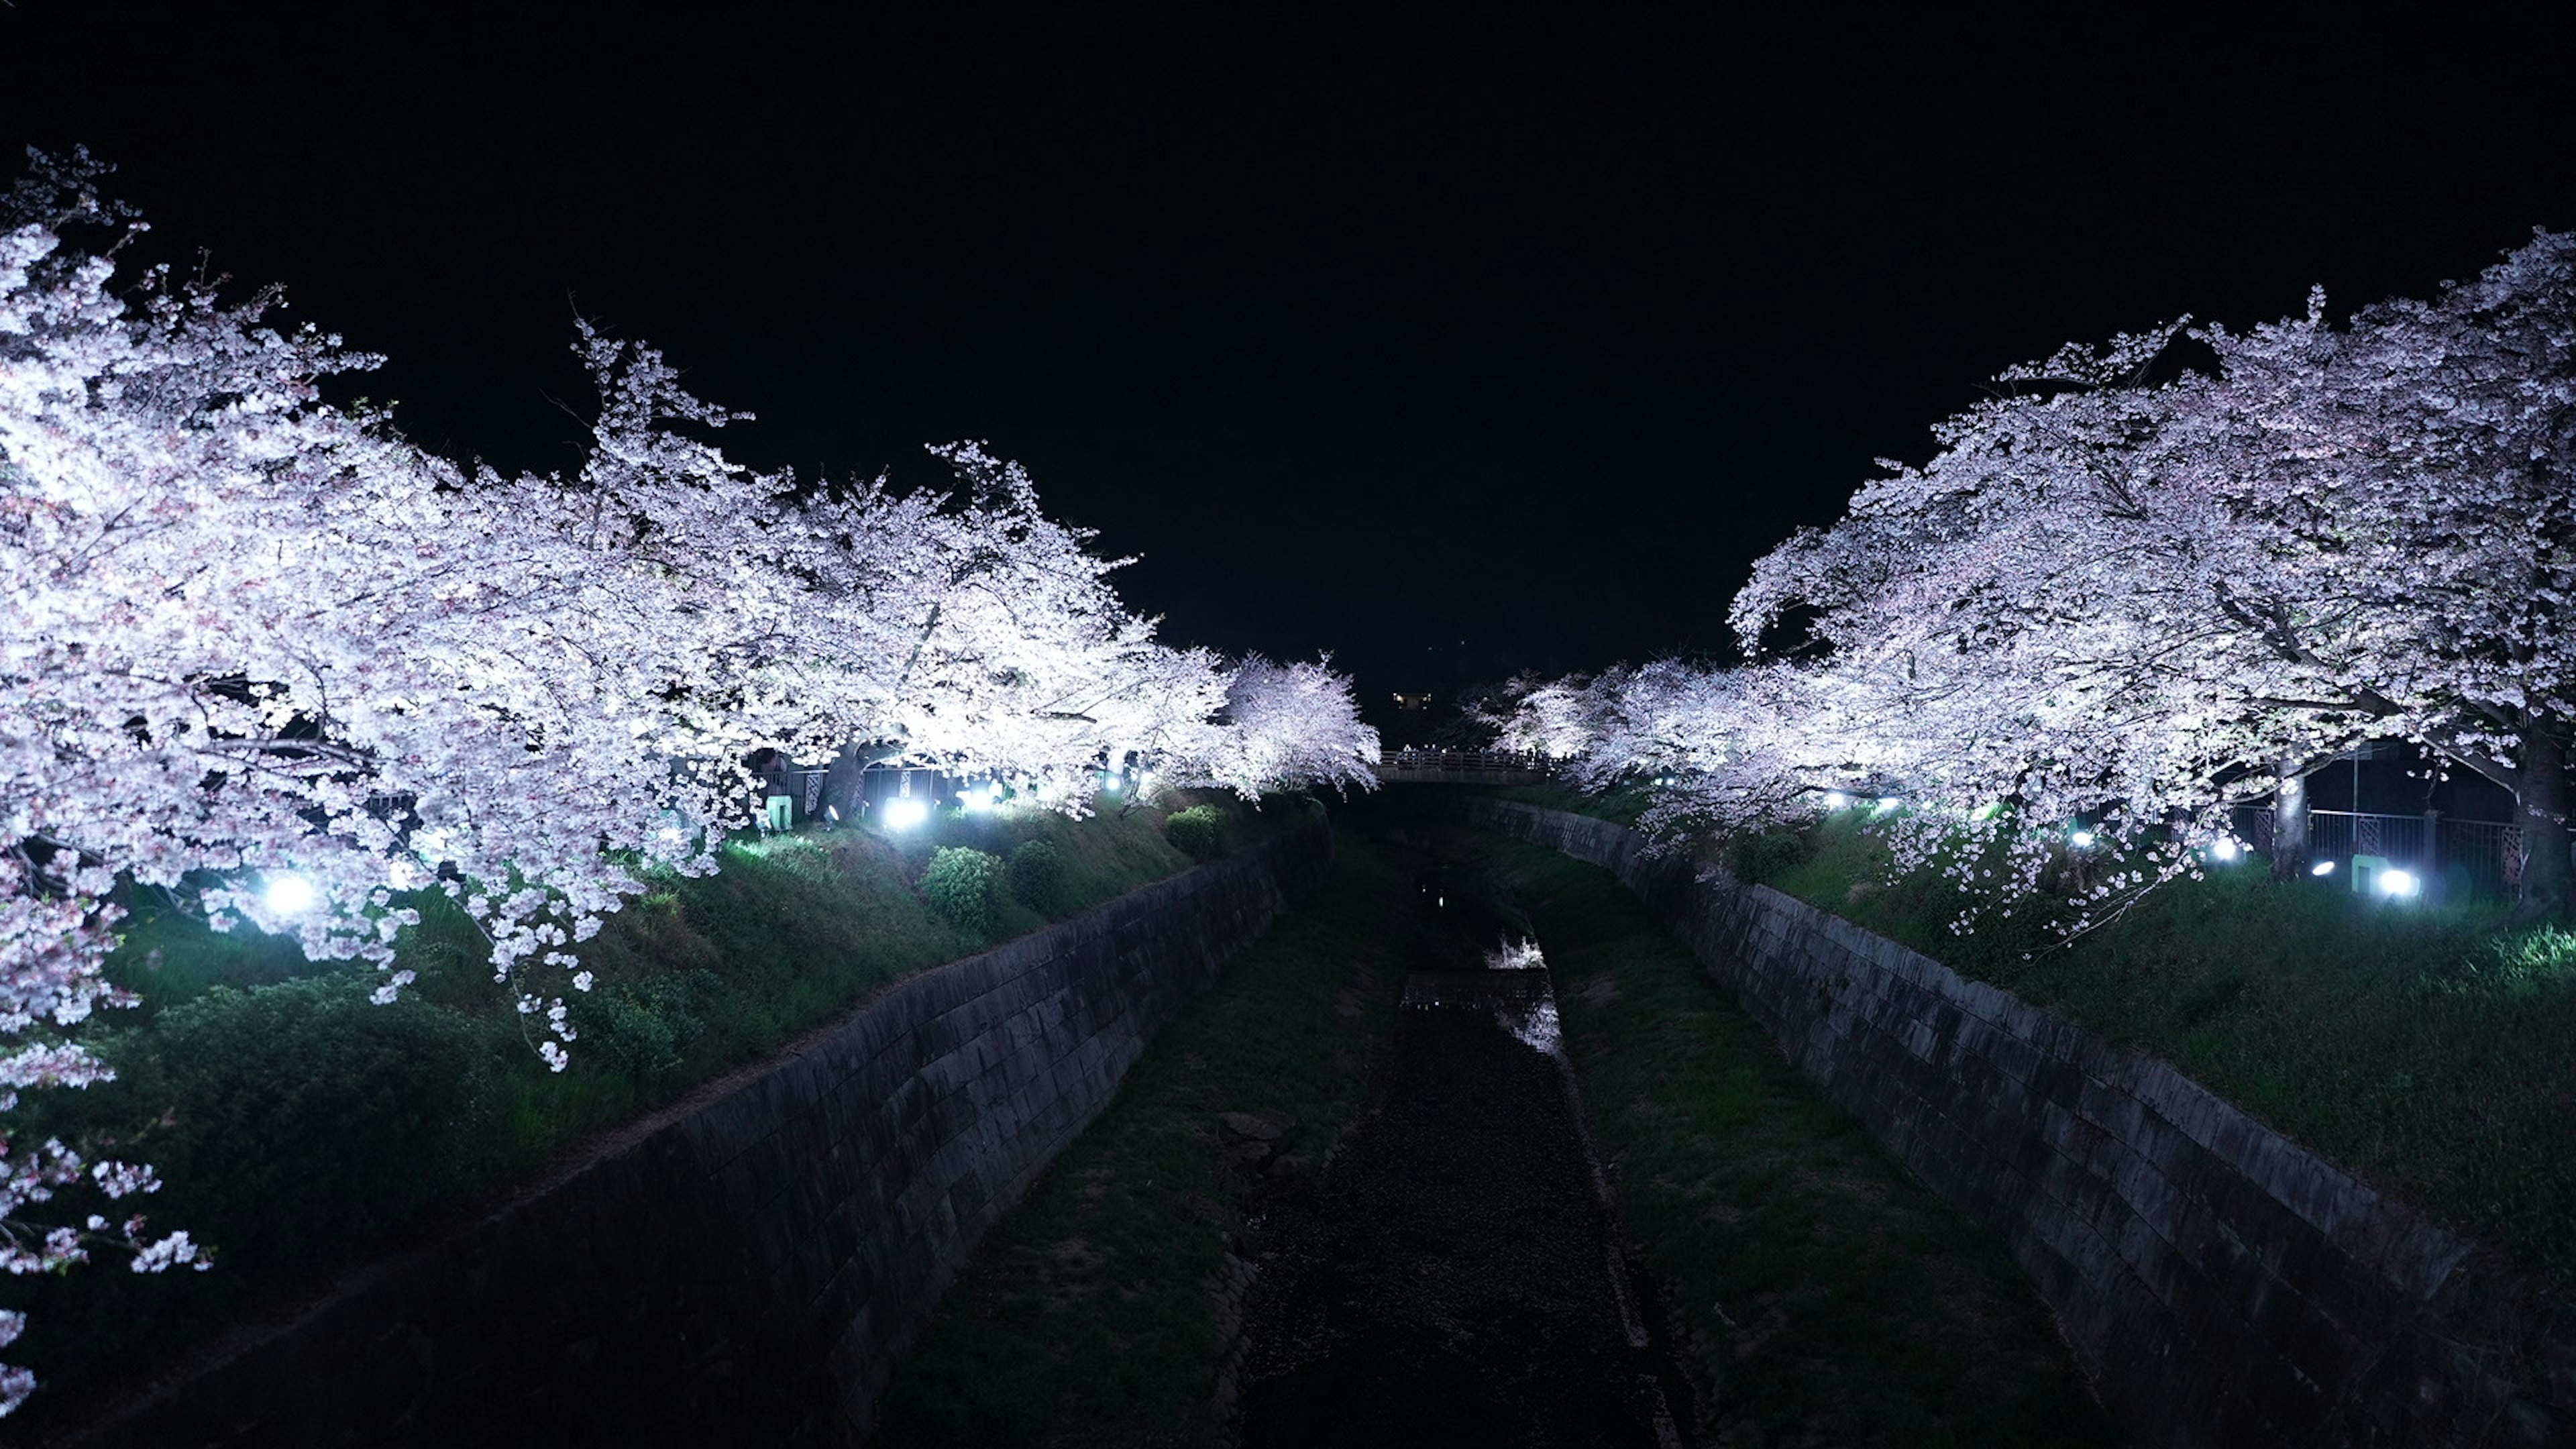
1455, 1278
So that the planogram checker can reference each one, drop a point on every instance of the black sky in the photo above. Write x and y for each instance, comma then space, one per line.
1450, 345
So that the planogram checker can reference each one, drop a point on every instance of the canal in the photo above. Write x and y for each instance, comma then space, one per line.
1377, 1189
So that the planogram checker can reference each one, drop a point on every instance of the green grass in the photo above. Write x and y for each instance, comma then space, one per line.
1829, 1296
1086, 1317
303, 1131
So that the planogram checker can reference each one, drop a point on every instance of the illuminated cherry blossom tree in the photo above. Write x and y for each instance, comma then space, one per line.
262, 654
1284, 726
2134, 603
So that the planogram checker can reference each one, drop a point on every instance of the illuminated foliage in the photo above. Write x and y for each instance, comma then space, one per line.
260, 652
2136, 602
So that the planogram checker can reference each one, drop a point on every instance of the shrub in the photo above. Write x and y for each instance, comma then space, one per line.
305, 1117
959, 886
1037, 878
1198, 832
643, 1029
1758, 858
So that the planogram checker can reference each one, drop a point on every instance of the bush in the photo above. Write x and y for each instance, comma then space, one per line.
642, 1029
1758, 858
1198, 832
1038, 879
959, 886
306, 1118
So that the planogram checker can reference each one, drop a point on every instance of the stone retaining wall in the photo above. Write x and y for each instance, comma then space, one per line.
2224, 1285
746, 1267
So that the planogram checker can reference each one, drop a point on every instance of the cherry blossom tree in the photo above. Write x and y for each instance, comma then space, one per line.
2135, 604
1284, 726
263, 655
2421, 465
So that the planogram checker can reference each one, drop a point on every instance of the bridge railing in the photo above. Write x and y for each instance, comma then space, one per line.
1410, 759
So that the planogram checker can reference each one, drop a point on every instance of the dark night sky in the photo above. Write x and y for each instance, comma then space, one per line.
1381, 337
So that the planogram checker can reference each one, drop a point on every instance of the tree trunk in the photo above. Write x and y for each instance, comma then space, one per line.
2541, 811
2290, 837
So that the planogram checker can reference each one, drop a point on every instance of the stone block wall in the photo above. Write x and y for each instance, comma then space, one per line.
2224, 1285
746, 1267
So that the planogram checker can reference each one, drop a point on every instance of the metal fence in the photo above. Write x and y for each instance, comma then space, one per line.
1410, 758
849, 791
2479, 853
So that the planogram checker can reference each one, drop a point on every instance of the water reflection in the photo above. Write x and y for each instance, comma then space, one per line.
1513, 990
1537, 1027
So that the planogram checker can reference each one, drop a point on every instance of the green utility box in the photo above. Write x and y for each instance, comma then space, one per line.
782, 812
2366, 871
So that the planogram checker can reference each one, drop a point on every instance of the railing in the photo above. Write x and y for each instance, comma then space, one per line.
2489, 848
2485, 852
1409, 761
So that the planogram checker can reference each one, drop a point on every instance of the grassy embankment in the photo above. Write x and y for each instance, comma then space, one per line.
1829, 1297
2429, 1048
304, 1131
1086, 1317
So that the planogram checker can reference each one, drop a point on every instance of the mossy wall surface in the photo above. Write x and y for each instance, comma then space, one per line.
747, 1266
2224, 1285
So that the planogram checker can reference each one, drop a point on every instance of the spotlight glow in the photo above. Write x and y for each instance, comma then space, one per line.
2399, 883
1836, 800
2225, 849
2323, 867
904, 812
289, 895
2083, 839
1887, 803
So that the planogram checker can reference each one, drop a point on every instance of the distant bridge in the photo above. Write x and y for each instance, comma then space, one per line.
1462, 767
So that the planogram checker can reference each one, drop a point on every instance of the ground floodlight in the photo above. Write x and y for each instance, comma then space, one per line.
832, 813
2399, 883
904, 812
288, 894
2224, 849
1836, 800
2083, 839
2323, 867
1888, 802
